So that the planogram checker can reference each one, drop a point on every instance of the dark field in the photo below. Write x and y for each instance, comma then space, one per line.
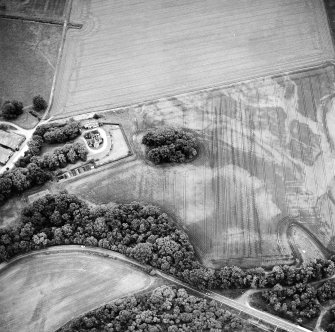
27, 59
45, 9
266, 158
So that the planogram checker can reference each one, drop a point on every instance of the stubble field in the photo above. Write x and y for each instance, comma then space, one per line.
132, 51
42, 292
265, 157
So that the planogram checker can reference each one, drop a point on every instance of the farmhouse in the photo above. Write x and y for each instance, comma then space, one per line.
5, 154
89, 124
93, 139
10, 140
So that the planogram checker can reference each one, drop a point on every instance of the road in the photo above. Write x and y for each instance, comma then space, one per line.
257, 314
254, 313
27, 133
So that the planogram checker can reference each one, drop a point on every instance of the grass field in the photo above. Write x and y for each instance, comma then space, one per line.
265, 156
27, 59
131, 51
42, 292
45, 9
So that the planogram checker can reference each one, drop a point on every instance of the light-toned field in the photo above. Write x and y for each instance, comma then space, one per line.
265, 156
42, 292
308, 249
136, 50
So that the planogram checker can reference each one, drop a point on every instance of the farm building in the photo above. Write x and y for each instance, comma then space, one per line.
34, 197
10, 140
5, 154
89, 123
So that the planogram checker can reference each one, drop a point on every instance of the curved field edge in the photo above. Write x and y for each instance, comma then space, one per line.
164, 309
42, 290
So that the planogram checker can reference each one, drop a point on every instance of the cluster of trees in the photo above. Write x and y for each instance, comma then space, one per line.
37, 171
169, 145
165, 309
39, 103
326, 292
141, 232
58, 133
331, 326
60, 157
300, 301
295, 302
11, 109
33, 169
49, 133
20, 179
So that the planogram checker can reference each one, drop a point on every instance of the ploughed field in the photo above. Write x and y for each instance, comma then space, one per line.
132, 51
266, 157
42, 292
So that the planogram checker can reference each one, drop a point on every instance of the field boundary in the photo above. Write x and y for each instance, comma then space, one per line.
40, 20
274, 75
60, 54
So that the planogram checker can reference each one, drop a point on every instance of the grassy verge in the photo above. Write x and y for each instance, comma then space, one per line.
232, 293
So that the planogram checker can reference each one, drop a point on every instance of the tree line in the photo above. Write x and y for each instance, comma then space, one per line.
331, 325
169, 145
164, 309
49, 133
141, 232
33, 169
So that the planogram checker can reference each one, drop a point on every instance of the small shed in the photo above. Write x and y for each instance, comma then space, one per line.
10, 140
89, 123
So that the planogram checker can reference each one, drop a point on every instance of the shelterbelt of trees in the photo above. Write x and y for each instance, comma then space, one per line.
331, 325
32, 169
165, 309
141, 232
170, 145
299, 302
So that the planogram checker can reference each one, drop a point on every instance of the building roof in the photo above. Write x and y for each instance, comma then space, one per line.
10, 140
89, 123
5, 154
